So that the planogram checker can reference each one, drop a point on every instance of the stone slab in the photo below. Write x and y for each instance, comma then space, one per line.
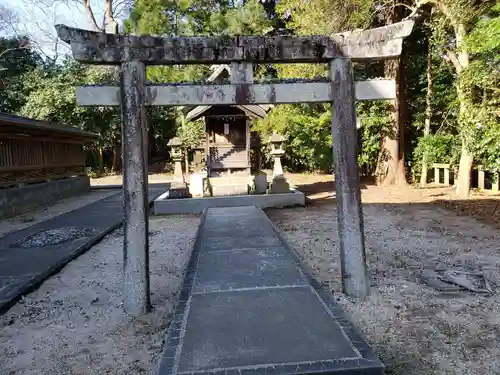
256, 310
260, 327
198, 205
229, 190
237, 232
24, 269
248, 268
228, 243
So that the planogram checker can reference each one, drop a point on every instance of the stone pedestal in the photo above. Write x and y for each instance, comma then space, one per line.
260, 183
279, 185
178, 191
197, 185
178, 187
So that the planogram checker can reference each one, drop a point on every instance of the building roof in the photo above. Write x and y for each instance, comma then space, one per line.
220, 73
17, 124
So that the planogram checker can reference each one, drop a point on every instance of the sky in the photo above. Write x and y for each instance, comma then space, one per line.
38, 17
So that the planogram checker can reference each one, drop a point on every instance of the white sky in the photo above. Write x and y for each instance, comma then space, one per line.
38, 17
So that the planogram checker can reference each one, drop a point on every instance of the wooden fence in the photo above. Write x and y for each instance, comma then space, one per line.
486, 181
32, 151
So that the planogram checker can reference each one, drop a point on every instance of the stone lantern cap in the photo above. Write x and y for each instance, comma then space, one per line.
277, 138
175, 142
277, 141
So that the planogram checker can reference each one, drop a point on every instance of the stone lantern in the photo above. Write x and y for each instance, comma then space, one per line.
279, 185
178, 188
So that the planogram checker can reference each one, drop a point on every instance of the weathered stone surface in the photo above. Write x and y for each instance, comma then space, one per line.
101, 48
177, 191
279, 185
348, 193
197, 184
135, 195
223, 271
233, 189
271, 93
260, 182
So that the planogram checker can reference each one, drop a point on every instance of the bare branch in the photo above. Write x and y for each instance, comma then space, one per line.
108, 10
418, 5
23, 46
39, 16
120, 7
403, 5
7, 18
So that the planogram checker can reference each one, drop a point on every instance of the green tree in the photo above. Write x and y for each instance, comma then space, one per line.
481, 82
16, 59
455, 22
51, 96
325, 17
308, 130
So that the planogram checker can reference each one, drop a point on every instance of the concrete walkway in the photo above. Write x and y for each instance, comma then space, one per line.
247, 307
30, 255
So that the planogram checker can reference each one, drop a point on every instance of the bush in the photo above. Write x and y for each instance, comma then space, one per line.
439, 148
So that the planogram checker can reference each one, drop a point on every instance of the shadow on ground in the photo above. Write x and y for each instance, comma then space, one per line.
483, 207
321, 192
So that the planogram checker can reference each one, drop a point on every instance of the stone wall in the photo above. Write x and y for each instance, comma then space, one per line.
19, 200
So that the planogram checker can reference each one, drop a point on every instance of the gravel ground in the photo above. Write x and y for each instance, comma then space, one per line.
415, 329
65, 205
74, 323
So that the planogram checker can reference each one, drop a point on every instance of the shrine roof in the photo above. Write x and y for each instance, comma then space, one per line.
220, 74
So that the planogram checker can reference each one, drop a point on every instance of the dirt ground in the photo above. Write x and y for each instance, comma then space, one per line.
74, 323
413, 328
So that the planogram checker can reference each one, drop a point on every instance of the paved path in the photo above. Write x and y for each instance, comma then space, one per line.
24, 264
247, 307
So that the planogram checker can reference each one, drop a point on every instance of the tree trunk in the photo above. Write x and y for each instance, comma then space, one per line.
428, 114
391, 167
464, 171
90, 14
403, 117
460, 59
117, 157
461, 62
100, 160
466, 157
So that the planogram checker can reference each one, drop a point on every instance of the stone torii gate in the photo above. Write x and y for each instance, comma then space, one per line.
134, 53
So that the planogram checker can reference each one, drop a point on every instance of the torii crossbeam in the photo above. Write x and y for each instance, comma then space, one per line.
134, 53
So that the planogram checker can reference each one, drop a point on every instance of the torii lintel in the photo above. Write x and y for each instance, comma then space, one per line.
102, 48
